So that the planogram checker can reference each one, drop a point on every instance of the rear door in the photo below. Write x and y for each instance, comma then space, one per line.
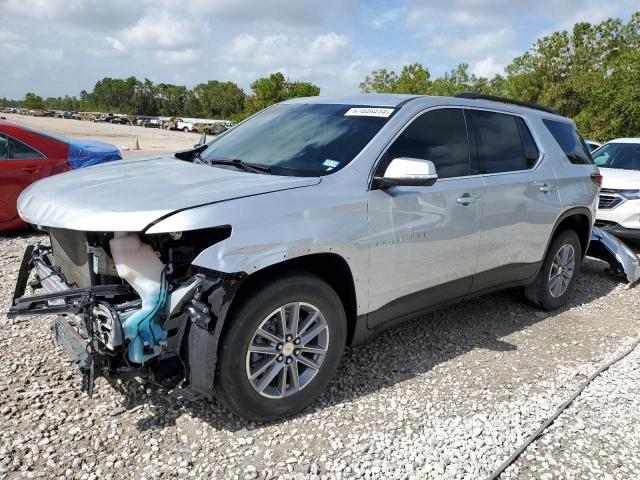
521, 198
20, 166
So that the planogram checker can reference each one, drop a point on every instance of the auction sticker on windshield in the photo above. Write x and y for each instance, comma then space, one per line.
368, 112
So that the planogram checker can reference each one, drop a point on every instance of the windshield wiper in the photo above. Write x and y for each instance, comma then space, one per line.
247, 167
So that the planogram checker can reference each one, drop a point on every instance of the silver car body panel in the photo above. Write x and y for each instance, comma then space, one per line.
395, 243
127, 196
619, 256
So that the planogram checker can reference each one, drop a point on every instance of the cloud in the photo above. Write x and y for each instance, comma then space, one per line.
476, 45
487, 67
180, 56
289, 51
157, 30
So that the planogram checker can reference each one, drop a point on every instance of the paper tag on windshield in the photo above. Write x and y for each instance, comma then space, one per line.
368, 112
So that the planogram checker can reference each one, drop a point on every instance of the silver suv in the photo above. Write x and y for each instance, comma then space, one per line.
242, 268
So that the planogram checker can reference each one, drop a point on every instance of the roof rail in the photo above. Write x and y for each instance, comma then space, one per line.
495, 98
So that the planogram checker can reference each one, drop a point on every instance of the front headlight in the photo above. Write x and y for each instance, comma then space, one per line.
631, 194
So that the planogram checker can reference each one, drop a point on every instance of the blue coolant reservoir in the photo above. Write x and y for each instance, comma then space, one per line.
138, 264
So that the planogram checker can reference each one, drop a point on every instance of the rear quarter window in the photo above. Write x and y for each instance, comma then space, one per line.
570, 141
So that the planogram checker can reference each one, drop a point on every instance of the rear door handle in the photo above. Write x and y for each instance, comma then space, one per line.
468, 198
547, 187
32, 169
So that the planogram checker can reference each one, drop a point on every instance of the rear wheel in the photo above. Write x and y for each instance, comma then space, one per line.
282, 348
557, 277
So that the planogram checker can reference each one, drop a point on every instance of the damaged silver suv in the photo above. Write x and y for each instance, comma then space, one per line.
242, 268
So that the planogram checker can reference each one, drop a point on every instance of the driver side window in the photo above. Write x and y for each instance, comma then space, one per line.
440, 136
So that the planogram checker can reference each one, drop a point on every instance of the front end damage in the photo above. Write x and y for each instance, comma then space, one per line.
131, 304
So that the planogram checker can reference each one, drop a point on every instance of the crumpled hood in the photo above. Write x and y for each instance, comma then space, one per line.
620, 179
128, 195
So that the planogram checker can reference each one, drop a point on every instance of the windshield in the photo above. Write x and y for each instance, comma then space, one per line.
625, 156
299, 139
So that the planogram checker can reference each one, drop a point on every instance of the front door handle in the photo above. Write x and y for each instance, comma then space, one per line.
468, 199
547, 187
32, 169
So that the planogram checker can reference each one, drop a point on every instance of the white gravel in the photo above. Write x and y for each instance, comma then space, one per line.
448, 396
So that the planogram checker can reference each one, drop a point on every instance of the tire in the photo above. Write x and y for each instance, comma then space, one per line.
185, 129
546, 293
235, 365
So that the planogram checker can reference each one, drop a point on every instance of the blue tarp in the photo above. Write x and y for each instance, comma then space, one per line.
84, 153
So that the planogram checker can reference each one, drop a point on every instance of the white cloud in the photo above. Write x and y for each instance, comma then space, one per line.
487, 67
156, 30
475, 45
287, 51
180, 56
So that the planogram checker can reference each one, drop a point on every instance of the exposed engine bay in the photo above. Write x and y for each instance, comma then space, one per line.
131, 304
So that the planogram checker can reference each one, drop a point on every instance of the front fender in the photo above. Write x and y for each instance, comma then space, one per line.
273, 228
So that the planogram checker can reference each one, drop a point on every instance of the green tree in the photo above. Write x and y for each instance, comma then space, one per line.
33, 101
273, 89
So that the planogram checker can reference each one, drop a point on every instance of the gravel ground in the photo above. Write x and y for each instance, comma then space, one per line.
449, 395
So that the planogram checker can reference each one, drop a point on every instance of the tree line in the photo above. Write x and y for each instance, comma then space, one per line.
214, 99
591, 74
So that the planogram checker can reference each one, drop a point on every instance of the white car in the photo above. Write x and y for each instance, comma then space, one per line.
619, 205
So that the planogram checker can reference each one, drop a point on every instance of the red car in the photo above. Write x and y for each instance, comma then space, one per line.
27, 155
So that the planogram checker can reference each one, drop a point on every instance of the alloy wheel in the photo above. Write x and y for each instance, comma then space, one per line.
287, 350
562, 268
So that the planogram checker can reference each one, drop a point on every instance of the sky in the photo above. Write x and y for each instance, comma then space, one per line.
58, 47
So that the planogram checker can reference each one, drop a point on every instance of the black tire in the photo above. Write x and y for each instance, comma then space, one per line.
233, 386
539, 292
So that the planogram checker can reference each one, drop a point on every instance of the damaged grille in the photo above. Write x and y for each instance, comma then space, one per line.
70, 255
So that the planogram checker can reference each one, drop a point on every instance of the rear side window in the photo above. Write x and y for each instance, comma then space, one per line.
440, 136
500, 147
570, 141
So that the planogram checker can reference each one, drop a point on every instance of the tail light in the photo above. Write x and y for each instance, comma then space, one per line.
597, 179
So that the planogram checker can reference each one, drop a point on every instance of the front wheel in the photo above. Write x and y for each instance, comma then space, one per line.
557, 277
282, 348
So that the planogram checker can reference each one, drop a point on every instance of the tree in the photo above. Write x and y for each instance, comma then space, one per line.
33, 101
273, 89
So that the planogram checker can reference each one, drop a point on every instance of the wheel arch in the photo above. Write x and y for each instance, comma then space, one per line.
578, 219
330, 267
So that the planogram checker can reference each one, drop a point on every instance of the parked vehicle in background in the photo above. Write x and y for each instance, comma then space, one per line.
248, 263
27, 155
619, 206
152, 123
593, 145
184, 126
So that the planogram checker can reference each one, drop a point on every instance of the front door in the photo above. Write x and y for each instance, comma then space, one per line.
20, 166
424, 240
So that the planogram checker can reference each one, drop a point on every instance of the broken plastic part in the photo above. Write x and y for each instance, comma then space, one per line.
619, 256
138, 264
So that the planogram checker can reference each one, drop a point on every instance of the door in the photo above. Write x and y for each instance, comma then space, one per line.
425, 238
521, 199
20, 166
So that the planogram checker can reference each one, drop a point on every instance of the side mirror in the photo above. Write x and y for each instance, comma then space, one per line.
410, 172
203, 139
